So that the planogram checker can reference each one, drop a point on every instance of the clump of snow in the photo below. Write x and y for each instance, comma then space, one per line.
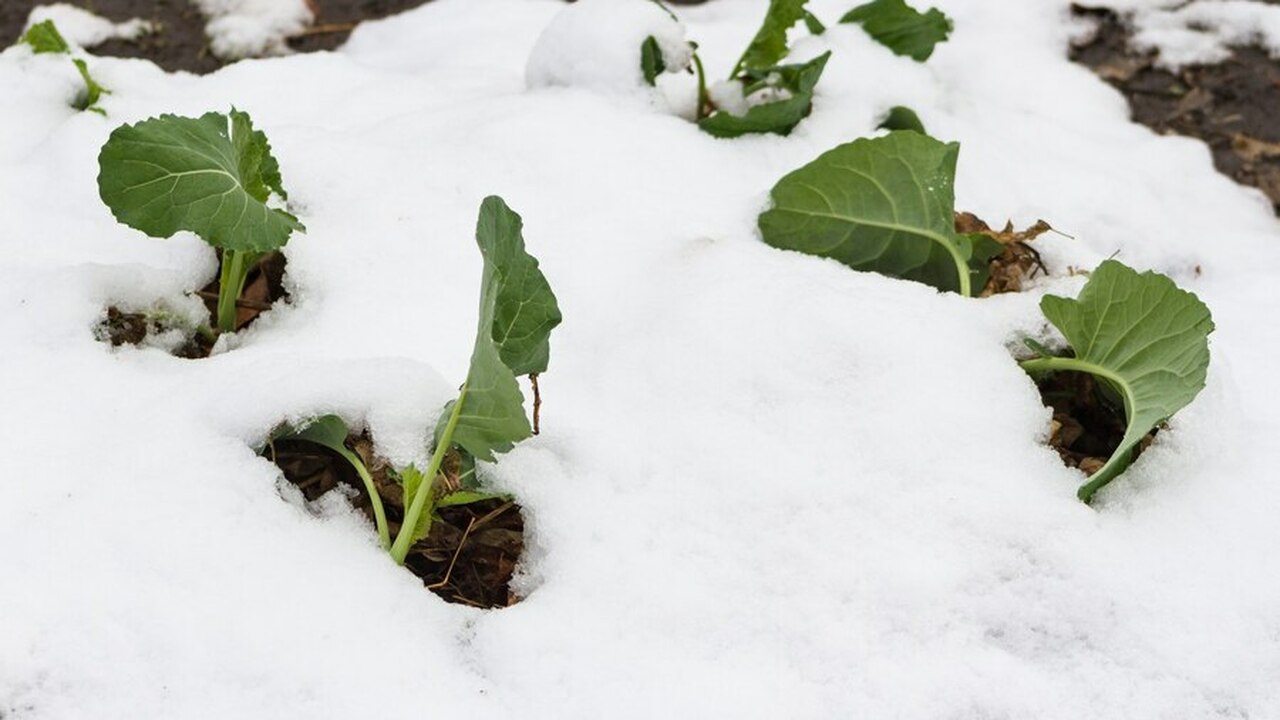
596, 44
252, 28
727, 95
1202, 31
81, 27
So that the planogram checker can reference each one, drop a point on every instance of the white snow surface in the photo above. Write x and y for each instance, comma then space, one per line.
251, 28
1201, 31
767, 486
592, 44
83, 28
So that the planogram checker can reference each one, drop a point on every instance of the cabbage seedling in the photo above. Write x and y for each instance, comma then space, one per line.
1143, 339
779, 96
44, 38
883, 204
213, 176
518, 311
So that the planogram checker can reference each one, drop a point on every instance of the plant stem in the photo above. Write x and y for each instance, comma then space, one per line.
235, 269
379, 513
1122, 453
426, 489
704, 98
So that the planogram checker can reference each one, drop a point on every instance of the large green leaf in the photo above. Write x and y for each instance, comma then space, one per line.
779, 116
770, 43
517, 313
1141, 335
884, 204
210, 175
43, 37
902, 28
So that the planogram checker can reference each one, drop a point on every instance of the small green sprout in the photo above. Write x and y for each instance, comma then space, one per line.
43, 37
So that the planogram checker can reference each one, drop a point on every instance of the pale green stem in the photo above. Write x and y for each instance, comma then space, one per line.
962, 268
235, 268
425, 496
379, 514
704, 98
1045, 364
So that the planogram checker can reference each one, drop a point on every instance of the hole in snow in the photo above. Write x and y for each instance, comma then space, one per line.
186, 338
1088, 420
472, 551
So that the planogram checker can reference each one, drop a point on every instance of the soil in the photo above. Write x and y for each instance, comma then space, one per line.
262, 289
471, 552
1231, 105
181, 45
1087, 425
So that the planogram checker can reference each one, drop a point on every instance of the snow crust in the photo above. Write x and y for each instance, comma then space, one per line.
767, 486
83, 28
251, 28
1203, 31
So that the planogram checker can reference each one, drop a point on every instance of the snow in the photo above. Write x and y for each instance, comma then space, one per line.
592, 44
83, 28
1203, 31
767, 486
252, 28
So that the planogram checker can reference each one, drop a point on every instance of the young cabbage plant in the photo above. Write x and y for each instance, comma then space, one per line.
518, 311
886, 205
774, 97
901, 28
213, 176
44, 38
1142, 338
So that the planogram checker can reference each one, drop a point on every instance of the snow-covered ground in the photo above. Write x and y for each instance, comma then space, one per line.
767, 486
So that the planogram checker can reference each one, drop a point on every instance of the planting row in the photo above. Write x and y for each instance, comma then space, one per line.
882, 205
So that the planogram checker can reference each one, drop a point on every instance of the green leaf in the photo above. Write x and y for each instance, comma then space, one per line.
93, 92
44, 37
210, 175
466, 497
983, 249
517, 313
901, 28
884, 204
770, 43
780, 116
1142, 336
813, 23
651, 62
902, 118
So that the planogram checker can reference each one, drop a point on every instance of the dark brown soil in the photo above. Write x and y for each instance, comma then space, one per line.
1231, 106
470, 555
180, 43
1087, 425
262, 289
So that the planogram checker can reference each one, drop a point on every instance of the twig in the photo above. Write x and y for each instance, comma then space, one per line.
493, 513
537, 402
456, 553
328, 28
